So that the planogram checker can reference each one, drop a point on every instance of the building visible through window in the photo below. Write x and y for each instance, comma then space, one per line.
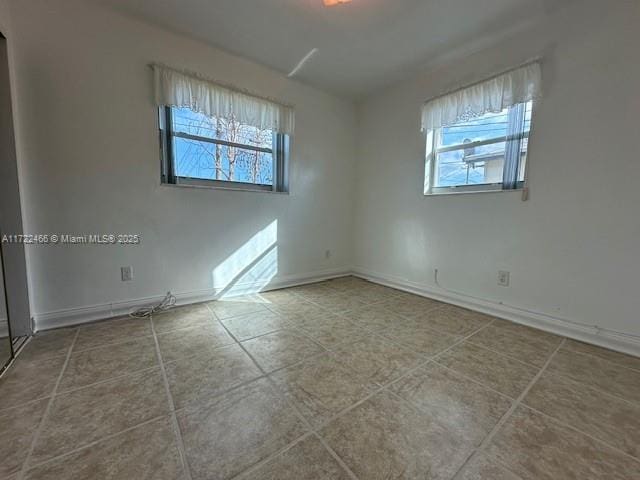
481, 153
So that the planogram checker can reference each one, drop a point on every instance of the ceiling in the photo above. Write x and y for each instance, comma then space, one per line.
362, 46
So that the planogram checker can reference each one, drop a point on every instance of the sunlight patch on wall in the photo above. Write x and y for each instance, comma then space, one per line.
251, 267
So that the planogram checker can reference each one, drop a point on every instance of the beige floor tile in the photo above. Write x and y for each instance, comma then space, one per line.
148, 452
385, 438
375, 318
189, 341
280, 297
199, 377
348, 283
607, 418
538, 448
504, 341
307, 460
453, 320
237, 430
321, 387
421, 339
411, 306
29, 380
482, 468
234, 307
372, 294
112, 331
377, 360
298, 313
498, 372
466, 408
618, 358
281, 349
598, 373
182, 317
339, 303
89, 414
527, 332
255, 324
330, 331
103, 363
48, 344
17, 428
314, 291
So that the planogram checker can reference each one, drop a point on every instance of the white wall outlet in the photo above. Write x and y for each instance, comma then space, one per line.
504, 278
126, 273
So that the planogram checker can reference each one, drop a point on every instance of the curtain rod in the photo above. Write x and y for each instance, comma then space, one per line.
486, 79
213, 81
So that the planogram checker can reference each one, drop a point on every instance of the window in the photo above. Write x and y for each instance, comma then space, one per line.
212, 151
485, 153
477, 137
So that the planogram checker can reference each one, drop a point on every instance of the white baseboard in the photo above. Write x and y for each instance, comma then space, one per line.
77, 316
600, 337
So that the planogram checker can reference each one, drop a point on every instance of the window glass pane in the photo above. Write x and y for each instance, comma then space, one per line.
485, 127
193, 123
209, 161
483, 164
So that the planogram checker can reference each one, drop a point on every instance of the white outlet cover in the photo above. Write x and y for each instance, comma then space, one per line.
504, 278
126, 274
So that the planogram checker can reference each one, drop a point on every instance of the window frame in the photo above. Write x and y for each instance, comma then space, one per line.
279, 152
433, 149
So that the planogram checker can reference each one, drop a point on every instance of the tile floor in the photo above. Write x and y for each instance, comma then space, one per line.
342, 379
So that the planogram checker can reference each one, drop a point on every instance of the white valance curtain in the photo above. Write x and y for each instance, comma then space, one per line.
183, 89
493, 95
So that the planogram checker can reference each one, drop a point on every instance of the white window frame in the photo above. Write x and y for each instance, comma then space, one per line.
279, 151
433, 149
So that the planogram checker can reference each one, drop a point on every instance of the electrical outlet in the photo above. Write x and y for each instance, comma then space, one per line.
327, 254
504, 278
126, 274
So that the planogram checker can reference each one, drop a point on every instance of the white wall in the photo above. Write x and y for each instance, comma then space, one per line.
88, 148
572, 249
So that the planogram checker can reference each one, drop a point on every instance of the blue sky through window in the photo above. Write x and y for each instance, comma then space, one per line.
206, 160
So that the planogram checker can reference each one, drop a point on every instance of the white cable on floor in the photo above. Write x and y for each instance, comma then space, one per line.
167, 302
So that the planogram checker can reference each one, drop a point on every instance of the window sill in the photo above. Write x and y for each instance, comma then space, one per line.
231, 189
471, 192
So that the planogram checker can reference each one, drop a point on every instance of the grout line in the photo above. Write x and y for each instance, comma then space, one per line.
6, 410
110, 379
430, 359
47, 410
256, 466
295, 409
591, 355
172, 408
312, 431
381, 387
95, 442
576, 429
633, 403
510, 357
473, 380
130, 339
487, 439
335, 455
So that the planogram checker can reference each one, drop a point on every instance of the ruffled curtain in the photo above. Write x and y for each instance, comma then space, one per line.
181, 89
494, 95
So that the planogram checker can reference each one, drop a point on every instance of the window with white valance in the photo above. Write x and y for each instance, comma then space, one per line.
478, 136
215, 135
